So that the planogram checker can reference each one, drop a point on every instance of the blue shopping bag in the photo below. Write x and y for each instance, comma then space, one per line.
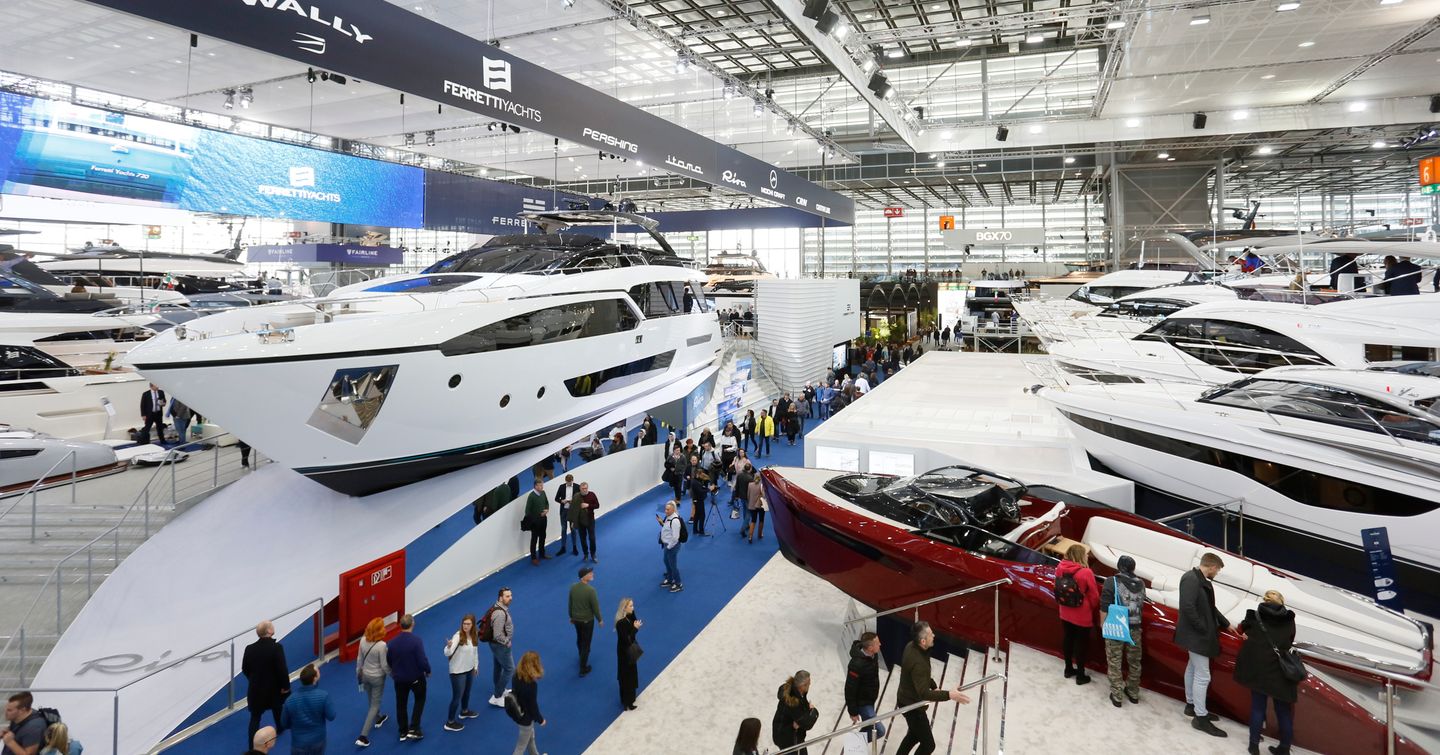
1117, 620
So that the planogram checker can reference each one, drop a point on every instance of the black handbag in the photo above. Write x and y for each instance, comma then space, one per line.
634, 652
1291, 667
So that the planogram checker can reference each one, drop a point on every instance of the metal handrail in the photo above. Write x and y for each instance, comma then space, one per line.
879, 717
1390, 680
1363, 663
927, 601
34, 489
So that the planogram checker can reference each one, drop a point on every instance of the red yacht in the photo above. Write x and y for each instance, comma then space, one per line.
888, 541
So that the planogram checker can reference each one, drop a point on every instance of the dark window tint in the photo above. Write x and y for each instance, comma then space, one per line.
1379, 352
614, 377
429, 283
23, 363
1237, 347
1145, 308
550, 325
1328, 405
661, 299
18, 453
1302, 485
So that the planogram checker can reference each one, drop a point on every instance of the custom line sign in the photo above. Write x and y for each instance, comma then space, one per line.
386, 44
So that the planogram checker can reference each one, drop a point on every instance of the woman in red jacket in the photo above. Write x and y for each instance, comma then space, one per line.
1079, 599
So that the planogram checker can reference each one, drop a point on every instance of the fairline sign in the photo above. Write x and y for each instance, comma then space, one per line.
391, 46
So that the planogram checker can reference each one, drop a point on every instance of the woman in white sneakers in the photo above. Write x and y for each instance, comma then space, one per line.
464, 665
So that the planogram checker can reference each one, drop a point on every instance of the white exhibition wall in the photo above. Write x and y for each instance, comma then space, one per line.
797, 323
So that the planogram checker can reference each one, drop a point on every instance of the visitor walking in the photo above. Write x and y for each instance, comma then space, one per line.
671, 530
766, 428
627, 652
527, 678
26, 730
756, 506
862, 683
747, 740
916, 685
370, 672
1078, 599
305, 713
1269, 632
264, 668
584, 613
409, 669
498, 630
1198, 631
794, 713
1127, 590
748, 429
463, 651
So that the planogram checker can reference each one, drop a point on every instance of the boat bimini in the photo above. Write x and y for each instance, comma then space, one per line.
1317, 453
889, 541
505, 346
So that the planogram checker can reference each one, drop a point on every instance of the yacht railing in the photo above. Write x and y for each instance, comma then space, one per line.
164, 494
1369, 666
919, 603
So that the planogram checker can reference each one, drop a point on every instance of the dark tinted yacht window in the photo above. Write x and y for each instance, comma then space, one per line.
1238, 347
661, 299
1331, 406
1144, 308
563, 323
24, 363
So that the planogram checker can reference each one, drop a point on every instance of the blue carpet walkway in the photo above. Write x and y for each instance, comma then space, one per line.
578, 709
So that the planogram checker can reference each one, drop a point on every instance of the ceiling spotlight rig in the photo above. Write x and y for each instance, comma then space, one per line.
229, 99
1423, 135
311, 75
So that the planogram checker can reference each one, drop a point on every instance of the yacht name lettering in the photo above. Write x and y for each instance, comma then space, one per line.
313, 13
610, 141
489, 100
676, 162
122, 172
730, 177
503, 220
993, 235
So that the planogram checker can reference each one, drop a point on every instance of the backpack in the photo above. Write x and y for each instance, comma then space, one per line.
50, 715
684, 531
487, 629
512, 707
1067, 591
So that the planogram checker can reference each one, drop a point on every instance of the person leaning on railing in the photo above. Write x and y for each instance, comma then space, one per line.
916, 685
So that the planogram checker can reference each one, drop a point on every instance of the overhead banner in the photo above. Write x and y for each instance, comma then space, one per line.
455, 202
343, 254
383, 43
959, 237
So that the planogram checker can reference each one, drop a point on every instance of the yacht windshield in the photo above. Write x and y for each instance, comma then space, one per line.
1331, 406
939, 498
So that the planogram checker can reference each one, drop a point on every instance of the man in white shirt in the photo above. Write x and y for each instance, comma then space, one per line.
567, 492
862, 385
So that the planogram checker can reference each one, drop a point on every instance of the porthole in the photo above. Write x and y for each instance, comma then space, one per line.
454, 381
504, 401
540, 393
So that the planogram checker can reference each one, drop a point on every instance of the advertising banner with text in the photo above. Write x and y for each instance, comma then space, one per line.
389, 45
66, 151
958, 237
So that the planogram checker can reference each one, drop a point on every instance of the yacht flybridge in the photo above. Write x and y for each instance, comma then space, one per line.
1319, 452
499, 348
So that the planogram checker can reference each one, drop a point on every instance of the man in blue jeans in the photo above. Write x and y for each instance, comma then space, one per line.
670, 547
862, 682
1198, 631
502, 637
305, 713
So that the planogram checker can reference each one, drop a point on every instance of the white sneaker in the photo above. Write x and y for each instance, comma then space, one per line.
497, 702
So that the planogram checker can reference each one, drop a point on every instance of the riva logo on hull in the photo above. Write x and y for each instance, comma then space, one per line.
676, 162
731, 178
314, 14
610, 141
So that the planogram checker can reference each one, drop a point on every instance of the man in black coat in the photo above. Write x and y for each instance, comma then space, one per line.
1198, 631
263, 666
862, 682
152, 408
1404, 278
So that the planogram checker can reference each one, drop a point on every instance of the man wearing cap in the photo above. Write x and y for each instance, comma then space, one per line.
584, 612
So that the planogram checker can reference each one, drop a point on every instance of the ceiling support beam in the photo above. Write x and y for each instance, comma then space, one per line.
1114, 55
1018, 23
1395, 48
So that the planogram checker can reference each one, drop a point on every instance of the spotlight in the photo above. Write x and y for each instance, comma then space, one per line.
567, 4
728, 91
1001, 133
842, 30
682, 62
429, 138
1198, 122
310, 75
1117, 24
828, 22
868, 65
790, 128
229, 99
409, 140
247, 96
814, 9
1199, 20
338, 79
1435, 103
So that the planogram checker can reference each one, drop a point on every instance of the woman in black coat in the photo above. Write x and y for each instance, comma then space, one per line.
627, 661
748, 430
794, 715
1268, 629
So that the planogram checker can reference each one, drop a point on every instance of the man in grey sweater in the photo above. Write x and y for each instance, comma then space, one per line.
501, 633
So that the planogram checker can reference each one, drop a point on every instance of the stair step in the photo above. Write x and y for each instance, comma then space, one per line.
967, 722
888, 693
943, 715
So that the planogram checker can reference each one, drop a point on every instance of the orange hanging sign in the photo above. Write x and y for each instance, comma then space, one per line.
947, 222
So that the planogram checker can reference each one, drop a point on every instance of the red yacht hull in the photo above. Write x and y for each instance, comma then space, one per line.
883, 566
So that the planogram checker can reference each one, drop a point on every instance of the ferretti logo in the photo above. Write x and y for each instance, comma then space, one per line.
310, 43
301, 179
730, 177
496, 74
302, 176
610, 141
676, 162
313, 13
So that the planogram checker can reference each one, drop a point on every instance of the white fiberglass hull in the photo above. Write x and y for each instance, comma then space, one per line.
74, 407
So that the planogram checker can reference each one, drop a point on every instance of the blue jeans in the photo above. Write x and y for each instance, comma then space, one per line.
672, 571
565, 530
1284, 719
459, 693
308, 749
868, 712
1197, 682
504, 667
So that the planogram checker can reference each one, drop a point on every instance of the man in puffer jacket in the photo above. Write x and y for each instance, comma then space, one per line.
1128, 590
862, 682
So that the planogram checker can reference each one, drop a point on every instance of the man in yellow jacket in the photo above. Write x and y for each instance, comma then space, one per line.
765, 428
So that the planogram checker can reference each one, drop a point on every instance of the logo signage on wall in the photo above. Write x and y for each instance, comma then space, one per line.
959, 237
389, 45
894, 212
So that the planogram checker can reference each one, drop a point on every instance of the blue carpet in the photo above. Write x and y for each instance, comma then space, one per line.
578, 709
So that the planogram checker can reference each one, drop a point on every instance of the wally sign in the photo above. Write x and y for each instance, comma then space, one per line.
389, 45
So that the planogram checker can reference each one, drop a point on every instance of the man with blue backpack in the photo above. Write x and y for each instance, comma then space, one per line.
1122, 596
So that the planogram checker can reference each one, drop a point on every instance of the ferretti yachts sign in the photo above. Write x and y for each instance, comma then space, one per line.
387, 44
957, 238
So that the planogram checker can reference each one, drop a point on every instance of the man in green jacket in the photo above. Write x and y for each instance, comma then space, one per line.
537, 515
584, 613
916, 685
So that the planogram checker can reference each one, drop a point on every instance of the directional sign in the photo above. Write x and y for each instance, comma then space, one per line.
1430, 171
894, 212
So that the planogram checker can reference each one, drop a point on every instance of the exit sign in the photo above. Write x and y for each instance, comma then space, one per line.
1431, 189
894, 212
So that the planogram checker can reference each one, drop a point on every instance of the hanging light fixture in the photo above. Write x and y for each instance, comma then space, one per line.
247, 96
429, 138
229, 99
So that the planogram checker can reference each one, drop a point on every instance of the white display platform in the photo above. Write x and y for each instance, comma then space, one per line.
263, 546
950, 407
799, 321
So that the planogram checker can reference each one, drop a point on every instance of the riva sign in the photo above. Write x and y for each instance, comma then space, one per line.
386, 44
959, 237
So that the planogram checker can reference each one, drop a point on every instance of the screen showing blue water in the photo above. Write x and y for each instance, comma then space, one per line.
58, 149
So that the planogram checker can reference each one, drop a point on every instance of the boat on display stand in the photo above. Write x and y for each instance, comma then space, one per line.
42, 392
32, 457
1316, 453
508, 345
889, 541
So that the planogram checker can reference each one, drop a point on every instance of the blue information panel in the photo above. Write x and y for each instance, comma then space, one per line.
58, 149
1382, 568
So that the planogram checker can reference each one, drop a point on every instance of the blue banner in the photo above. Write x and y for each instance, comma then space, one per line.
61, 150
455, 202
1382, 568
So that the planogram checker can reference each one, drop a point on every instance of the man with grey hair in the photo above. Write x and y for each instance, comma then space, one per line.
916, 685
264, 668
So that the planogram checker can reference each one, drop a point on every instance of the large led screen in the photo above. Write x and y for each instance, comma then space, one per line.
57, 149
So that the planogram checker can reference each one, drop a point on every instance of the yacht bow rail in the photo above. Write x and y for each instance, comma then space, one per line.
1373, 667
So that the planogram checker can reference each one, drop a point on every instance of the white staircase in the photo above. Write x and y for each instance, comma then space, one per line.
759, 391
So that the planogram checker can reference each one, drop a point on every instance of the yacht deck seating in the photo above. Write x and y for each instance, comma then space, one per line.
1324, 615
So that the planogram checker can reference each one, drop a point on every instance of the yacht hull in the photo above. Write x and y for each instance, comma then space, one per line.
74, 407
882, 566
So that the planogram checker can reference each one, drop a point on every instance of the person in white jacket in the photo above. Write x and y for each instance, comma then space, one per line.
464, 665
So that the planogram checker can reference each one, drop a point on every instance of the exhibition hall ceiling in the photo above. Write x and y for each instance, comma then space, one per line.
967, 64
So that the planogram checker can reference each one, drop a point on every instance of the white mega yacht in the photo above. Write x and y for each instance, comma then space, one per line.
1220, 341
1319, 453
496, 349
